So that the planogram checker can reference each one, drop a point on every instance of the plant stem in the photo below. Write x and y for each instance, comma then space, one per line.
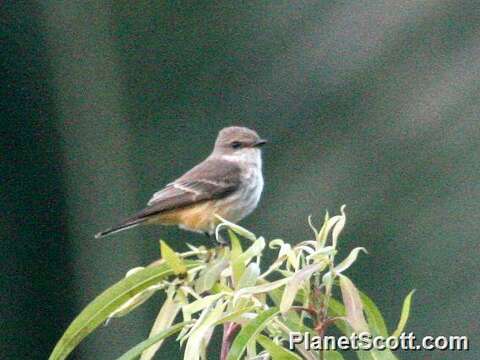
230, 329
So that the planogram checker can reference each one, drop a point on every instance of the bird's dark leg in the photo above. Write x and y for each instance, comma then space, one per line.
211, 239
209, 236
216, 242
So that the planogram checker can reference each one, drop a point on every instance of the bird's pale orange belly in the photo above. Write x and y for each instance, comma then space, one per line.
200, 217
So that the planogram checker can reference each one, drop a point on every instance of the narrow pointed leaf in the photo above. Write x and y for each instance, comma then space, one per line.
314, 229
337, 309
234, 316
134, 302
344, 265
323, 233
106, 303
325, 230
353, 305
276, 243
263, 288
404, 315
349, 260
375, 320
287, 330
249, 332
277, 352
254, 250
236, 228
164, 320
250, 276
291, 319
199, 305
136, 351
295, 283
333, 355
210, 275
238, 267
338, 227
172, 258
196, 339
376, 355
326, 251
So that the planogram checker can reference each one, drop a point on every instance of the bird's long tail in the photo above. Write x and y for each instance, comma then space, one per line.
127, 224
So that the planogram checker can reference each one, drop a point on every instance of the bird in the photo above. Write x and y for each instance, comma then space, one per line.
228, 183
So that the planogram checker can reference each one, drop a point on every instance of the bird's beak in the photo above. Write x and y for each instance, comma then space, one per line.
259, 143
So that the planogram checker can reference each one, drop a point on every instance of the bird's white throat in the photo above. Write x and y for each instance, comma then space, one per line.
250, 156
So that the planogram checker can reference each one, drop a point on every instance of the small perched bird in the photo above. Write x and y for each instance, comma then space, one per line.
227, 183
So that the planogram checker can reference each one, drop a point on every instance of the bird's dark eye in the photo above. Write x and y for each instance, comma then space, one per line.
236, 144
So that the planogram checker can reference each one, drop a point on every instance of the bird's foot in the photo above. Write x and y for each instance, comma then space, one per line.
221, 240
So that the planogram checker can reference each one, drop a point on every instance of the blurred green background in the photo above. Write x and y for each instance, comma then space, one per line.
369, 103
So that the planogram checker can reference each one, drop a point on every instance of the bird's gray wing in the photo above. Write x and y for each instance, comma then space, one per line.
211, 179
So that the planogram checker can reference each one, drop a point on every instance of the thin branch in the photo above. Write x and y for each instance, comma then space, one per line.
230, 330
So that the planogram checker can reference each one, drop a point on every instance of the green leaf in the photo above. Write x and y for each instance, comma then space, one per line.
236, 228
295, 283
349, 260
136, 351
375, 355
287, 330
172, 258
219, 287
277, 352
314, 229
344, 265
322, 254
249, 332
333, 355
199, 305
338, 227
250, 276
375, 319
199, 335
234, 315
235, 242
238, 267
164, 320
326, 228
106, 303
263, 288
353, 305
323, 233
210, 275
135, 301
404, 316
336, 309
291, 319
254, 250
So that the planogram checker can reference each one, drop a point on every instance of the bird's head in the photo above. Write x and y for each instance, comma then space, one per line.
238, 142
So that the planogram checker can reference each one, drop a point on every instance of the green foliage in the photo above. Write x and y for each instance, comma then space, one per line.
226, 287
137, 351
250, 331
405, 313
